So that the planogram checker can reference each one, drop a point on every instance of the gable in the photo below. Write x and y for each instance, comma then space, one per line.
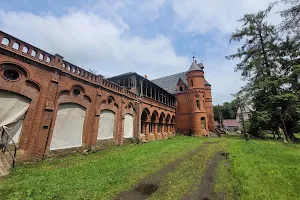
180, 82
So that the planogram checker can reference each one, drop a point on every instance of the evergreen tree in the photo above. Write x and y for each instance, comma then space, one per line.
270, 64
291, 16
259, 66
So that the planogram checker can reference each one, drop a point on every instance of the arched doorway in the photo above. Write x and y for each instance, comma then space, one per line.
106, 125
161, 122
13, 108
154, 121
128, 126
167, 125
145, 121
68, 126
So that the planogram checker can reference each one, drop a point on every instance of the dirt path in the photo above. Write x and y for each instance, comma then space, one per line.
151, 184
206, 186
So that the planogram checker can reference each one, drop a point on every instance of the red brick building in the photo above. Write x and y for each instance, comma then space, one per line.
194, 110
51, 106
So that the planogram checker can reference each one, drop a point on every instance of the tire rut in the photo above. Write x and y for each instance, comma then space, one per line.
151, 184
206, 186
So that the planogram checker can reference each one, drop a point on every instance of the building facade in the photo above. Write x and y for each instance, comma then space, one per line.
194, 110
50, 106
247, 111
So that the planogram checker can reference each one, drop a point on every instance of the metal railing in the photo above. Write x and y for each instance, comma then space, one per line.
4, 144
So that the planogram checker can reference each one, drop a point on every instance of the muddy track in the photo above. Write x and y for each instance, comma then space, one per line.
206, 186
151, 184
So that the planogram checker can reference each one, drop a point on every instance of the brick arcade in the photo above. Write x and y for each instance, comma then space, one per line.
71, 109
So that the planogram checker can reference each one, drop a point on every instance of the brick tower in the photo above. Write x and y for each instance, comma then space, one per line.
209, 107
197, 100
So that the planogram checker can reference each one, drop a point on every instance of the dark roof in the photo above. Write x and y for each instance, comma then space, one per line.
169, 83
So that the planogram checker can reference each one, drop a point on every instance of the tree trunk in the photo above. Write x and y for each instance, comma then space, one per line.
290, 134
263, 50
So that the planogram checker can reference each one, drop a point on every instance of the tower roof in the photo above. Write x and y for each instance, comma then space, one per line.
195, 66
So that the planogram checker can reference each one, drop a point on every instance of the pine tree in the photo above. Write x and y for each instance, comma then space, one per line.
291, 16
259, 66
270, 64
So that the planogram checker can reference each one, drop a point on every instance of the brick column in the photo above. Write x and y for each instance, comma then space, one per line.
29, 52
20, 48
45, 117
1, 38
11, 43
146, 124
157, 134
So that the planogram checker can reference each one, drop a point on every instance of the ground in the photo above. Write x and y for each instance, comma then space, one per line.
177, 168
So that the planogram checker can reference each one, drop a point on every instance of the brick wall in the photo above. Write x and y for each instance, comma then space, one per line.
49, 81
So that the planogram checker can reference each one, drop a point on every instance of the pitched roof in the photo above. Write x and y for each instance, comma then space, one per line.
231, 122
169, 83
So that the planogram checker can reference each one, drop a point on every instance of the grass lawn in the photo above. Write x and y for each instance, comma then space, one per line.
183, 181
260, 170
254, 170
96, 176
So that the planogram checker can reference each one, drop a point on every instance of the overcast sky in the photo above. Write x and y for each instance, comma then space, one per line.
156, 38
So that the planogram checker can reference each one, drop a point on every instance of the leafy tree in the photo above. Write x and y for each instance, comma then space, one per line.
270, 64
227, 111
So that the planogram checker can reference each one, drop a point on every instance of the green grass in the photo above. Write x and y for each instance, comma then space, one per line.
264, 169
96, 176
225, 185
183, 180
256, 169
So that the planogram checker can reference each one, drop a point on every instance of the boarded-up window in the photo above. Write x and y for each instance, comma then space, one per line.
128, 126
12, 113
106, 125
68, 126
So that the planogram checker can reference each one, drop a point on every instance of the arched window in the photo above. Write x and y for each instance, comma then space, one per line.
24, 50
192, 83
16, 46
203, 123
198, 104
68, 127
106, 127
41, 57
33, 53
5, 41
180, 88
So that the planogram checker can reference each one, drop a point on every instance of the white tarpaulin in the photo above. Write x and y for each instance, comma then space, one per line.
12, 112
68, 126
128, 126
106, 125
